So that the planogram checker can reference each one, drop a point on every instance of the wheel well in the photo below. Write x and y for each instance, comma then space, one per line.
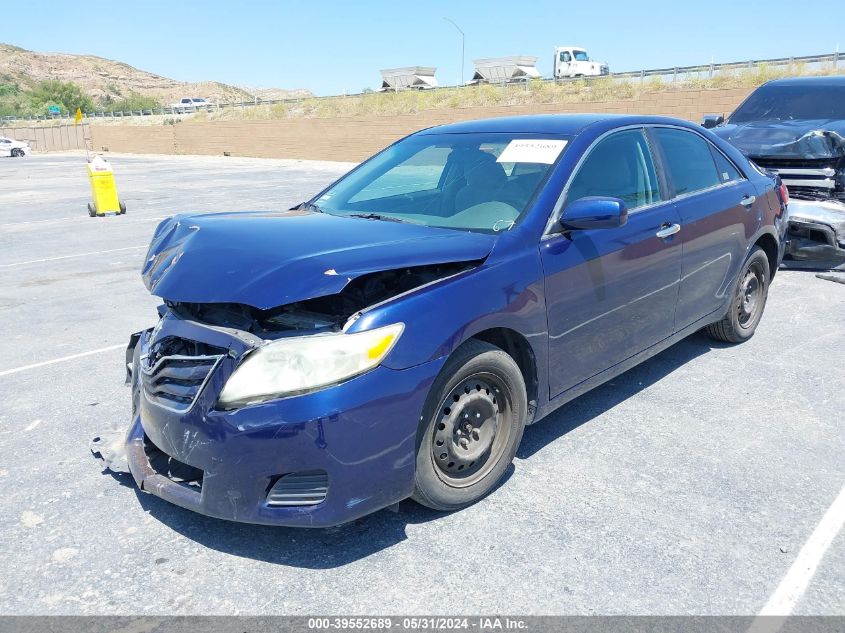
518, 348
770, 247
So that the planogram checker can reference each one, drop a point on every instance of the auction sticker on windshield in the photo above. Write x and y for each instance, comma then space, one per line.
531, 151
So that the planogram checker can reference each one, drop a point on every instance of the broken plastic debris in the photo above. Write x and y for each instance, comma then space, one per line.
110, 448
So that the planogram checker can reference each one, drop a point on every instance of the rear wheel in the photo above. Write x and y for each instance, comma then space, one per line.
122, 207
17, 153
749, 301
92, 210
471, 427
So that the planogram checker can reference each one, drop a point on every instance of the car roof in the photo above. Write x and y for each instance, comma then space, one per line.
826, 80
558, 124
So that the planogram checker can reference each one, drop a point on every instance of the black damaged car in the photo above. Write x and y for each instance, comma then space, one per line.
796, 128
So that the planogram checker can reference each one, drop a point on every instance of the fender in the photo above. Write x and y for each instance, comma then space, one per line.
442, 316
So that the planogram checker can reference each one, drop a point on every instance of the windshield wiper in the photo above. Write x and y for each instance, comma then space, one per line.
376, 216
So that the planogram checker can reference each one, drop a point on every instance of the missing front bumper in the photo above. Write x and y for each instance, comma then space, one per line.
815, 235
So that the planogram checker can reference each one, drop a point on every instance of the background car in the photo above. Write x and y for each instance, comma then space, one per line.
11, 147
796, 129
189, 104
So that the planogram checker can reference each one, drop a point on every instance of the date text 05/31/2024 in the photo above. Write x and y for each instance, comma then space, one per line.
432, 623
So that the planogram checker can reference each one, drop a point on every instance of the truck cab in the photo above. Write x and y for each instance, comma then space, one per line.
573, 61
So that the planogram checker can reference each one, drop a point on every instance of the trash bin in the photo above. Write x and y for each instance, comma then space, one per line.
101, 176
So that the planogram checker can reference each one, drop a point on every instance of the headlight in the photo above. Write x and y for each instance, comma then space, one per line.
306, 363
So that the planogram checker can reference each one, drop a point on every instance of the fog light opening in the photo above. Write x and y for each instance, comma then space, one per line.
304, 488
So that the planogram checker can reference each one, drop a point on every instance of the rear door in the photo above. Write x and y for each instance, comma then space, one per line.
611, 293
719, 214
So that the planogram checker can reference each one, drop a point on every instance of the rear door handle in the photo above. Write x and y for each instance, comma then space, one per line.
667, 230
747, 201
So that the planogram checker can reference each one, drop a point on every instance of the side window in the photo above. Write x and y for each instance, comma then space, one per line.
690, 162
565, 57
619, 166
421, 172
727, 171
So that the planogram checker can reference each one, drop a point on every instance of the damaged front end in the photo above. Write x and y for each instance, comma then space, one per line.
809, 157
813, 169
296, 457
264, 393
816, 235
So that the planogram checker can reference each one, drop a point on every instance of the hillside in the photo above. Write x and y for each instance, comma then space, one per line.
104, 79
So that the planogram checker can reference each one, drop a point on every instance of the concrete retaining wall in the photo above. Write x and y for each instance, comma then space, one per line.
49, 139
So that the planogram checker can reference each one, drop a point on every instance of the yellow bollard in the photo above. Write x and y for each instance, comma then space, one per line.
101, 176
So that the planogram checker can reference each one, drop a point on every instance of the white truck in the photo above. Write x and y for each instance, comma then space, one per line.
189, 104
573, 61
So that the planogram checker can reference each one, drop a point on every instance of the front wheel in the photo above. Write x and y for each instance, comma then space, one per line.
749, 300
471, 427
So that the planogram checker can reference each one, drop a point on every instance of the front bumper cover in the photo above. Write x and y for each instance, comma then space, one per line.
362, 433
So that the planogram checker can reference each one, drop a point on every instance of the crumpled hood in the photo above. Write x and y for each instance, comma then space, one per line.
807, 139
270, 259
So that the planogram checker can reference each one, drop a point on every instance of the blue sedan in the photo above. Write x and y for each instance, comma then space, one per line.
393, 336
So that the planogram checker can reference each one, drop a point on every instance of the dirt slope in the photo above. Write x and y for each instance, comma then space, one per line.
100, 77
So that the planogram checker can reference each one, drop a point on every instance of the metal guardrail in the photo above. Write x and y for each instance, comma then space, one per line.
677, 73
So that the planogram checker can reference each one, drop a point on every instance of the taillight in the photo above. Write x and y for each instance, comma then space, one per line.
784, 194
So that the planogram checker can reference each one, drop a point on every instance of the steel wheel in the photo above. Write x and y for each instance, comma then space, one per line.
470, 437
750, 294
748, 303
470, 428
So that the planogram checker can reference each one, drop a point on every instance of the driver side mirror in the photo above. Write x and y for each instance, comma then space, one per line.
712, 120
594, 212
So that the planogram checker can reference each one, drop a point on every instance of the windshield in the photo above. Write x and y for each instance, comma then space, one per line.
474, 182
792, 102
581, 56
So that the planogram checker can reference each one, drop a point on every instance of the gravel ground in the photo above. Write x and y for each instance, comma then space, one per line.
687, 485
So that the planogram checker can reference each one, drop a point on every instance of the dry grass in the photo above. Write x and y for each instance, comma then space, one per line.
535, 92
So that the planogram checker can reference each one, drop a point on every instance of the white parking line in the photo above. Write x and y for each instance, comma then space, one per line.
27, 222
797, 579
53, 259
16, 370
76, 217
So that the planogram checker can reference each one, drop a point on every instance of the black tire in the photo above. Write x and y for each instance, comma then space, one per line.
122, 208
17, 153
92, 210
458, 463
748, 303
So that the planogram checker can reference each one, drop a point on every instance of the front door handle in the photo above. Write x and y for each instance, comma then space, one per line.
747, 201
667, 230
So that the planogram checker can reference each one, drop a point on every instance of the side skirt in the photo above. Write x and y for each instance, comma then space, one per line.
629, 363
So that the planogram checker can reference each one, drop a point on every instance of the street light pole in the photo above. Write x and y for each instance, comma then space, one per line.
463, 46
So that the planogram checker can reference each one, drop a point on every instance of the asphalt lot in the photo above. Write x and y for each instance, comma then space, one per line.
686, 486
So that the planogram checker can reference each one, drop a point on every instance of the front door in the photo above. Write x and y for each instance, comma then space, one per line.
611, 293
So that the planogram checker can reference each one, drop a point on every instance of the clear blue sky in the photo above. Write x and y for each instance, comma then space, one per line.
330, 46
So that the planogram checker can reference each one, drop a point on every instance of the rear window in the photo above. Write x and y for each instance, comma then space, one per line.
690, 161
725, 168
784, 102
